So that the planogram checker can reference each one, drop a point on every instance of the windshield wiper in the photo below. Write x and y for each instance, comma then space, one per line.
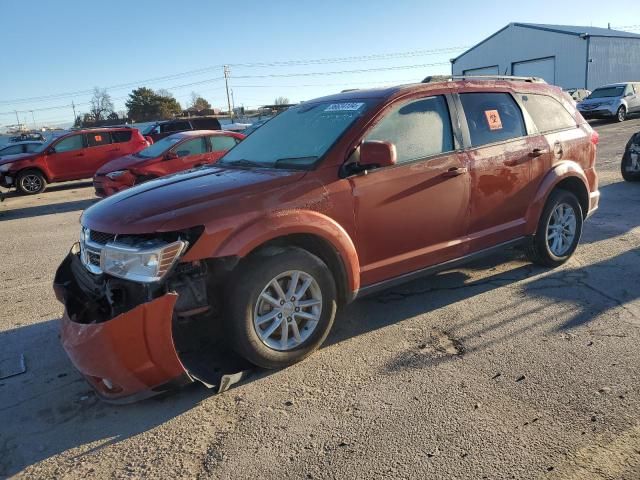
243, 163
295, 162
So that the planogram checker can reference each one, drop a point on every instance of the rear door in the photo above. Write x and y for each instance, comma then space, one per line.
67, 160
633, 100
121, 144
99, 150
220, 144
500, 155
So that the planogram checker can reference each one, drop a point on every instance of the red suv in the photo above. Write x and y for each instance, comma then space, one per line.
73, 156
331, 200
180, 151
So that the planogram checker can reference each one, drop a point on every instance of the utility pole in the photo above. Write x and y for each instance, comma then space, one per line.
226, 82
73, 105
34, 120
233, 102
17, 119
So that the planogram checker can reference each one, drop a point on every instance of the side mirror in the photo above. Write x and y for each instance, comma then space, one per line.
183, 153
377, 153
170, 156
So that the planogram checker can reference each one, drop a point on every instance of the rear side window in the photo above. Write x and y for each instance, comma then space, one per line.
74, 142
547, 113
205, 124
14, 149
175, 127
32, 147
418, 129
191, 147
121, 136
222, 143
98, 138
492, 117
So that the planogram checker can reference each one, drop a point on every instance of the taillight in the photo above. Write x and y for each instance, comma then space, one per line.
595, 137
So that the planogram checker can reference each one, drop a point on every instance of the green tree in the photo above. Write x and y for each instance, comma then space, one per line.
198, 102
145, 105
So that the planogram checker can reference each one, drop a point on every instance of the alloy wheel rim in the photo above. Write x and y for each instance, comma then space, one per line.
31, 183
288, 310
621, 114
561, 229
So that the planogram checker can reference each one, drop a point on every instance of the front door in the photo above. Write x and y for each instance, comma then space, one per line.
191, 153
413, 214
67, 160
500, 158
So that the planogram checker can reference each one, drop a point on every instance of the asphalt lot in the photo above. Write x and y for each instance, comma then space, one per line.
490, 371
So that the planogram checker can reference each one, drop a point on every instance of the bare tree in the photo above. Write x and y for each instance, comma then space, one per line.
101, 105
163, 92
281, 101
198, 102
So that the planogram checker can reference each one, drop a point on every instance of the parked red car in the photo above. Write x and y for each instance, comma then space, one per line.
178, 152
331, 200
73, 156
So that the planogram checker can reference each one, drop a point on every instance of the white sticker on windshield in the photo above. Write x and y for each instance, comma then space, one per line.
344, 107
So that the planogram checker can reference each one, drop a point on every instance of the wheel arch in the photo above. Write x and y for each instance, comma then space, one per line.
32, 168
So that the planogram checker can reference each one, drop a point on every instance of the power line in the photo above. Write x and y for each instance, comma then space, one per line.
286, 63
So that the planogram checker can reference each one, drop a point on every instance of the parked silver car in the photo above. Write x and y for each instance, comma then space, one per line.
616, 101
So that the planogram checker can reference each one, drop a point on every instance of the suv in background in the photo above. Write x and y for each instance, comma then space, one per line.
163, 129
332, 199
73, 156
615, 101
175, 153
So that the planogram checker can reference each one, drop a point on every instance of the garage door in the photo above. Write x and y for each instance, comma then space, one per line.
482, 71
542, 68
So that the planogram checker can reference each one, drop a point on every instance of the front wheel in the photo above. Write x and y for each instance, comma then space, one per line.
281, 306
31, 182
559, 230
621, 114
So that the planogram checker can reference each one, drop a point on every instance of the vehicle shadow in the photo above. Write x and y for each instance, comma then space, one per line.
48, 209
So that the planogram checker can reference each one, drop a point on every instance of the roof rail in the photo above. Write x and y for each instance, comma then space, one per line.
499, 77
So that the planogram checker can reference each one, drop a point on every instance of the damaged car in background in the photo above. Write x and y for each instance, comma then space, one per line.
203, 274
630, 165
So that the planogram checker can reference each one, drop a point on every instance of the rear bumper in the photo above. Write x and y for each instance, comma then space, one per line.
126, 358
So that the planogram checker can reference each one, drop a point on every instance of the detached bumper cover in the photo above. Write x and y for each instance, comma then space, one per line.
105, 187
127, 358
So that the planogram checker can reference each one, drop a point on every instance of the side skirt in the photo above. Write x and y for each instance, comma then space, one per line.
407, 277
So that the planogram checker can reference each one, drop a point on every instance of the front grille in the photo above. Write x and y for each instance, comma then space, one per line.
101, 237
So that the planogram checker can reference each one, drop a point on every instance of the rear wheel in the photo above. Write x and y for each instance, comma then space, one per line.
621, 114
559, 230
31, 182
282, 304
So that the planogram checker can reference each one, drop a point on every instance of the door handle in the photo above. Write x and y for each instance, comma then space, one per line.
455, 171
536, 152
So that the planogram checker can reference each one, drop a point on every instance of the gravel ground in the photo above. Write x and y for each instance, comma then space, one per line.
498, 370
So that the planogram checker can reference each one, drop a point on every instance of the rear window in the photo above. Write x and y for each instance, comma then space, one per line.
98, 138
492, 117
222, 143
547, 113
175, 127
121, 136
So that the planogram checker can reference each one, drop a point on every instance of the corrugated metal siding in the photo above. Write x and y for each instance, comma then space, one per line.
613, 60
517, 44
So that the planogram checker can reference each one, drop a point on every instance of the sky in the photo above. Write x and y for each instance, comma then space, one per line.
295, 49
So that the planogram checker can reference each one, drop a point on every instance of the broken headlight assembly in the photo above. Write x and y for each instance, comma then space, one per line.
148, 262
116, 174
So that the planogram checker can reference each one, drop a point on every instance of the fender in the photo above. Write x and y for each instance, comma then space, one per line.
261, 230
561, 171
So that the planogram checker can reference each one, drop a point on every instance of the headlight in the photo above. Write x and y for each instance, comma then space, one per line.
5, 168
608, 102
146, 265
116, 174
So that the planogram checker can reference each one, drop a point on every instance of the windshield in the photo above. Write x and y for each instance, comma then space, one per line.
607, 92
158, 148
297, 137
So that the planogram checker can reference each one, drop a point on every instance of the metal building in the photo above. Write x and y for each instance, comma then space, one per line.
567, 56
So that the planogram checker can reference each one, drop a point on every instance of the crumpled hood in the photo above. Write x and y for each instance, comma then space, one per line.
4, 159
124, 163
184, 200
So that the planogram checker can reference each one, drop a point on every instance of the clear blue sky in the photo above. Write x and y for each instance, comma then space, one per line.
54, 47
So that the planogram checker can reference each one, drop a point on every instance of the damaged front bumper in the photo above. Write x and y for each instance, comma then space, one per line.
126, 358
132, 355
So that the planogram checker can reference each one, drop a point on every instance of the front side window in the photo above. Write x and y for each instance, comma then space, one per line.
418, 129
33, 147
297, 137
221, 143
547, 113
492, 117
194, 146
97, 139
68, 144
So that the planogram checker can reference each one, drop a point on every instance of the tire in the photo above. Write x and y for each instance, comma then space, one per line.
621, 114
540, 251
31, 182
628, 176
253, 282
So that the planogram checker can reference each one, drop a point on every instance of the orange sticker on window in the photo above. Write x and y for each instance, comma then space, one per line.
98, 138
493, 119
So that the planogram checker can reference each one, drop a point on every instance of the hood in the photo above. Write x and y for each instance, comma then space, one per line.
4, 159
185, 199
123, 163
598, 101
